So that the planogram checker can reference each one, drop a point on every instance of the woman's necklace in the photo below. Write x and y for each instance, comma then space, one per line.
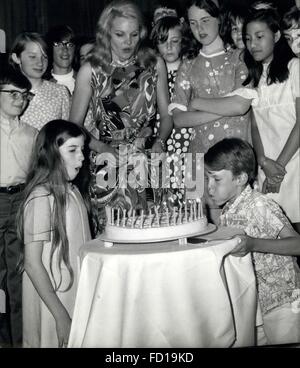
123, 64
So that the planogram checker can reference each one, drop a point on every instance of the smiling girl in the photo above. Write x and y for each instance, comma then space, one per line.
53, 224
51, 101
274, 72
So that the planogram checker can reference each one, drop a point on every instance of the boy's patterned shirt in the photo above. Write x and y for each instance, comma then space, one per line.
278, 278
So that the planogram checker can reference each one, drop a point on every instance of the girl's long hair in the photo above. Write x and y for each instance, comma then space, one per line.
278, 69
101, 54
211, 7
48, 170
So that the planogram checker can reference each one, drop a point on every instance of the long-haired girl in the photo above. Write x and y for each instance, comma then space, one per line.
53, 223
274, 72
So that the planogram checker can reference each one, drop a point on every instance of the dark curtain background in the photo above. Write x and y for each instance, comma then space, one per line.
38, 15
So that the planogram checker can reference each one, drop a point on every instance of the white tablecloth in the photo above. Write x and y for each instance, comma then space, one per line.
164, 295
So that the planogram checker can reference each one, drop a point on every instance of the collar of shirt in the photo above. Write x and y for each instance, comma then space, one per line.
231, 206
9, 125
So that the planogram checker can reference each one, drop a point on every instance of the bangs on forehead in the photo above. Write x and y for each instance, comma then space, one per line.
64, 136
41, 47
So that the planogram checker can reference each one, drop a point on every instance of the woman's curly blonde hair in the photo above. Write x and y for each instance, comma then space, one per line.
101, 56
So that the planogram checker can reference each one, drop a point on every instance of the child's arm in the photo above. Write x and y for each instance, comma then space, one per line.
288, 244
82, 94
293, 142
41, 281
272, 169
224, 106
186, 119
166, 121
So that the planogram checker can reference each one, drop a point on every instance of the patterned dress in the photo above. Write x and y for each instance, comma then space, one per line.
278, 278
212, 76
123, 107
123, 103
51, 102
177, 144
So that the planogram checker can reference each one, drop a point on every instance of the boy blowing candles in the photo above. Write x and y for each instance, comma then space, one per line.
230, 167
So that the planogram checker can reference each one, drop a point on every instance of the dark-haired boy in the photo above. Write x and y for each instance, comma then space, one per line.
230, 167
61, 42
16, 142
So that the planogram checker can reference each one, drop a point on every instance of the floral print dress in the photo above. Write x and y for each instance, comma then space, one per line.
212, 76
123, 107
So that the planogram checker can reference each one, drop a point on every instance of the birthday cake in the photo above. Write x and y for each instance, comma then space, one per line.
152, 226
132, 218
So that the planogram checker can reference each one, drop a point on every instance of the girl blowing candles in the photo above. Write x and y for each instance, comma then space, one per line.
274, 72
53, 222
51, 101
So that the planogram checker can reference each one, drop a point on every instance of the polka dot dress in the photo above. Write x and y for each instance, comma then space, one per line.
177, 145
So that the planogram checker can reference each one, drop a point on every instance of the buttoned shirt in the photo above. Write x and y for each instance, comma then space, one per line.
261, 217
16, 142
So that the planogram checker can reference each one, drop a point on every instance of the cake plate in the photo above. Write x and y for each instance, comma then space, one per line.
182, 240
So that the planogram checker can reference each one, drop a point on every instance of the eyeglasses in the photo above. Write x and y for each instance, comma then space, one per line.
15, 95
61, 44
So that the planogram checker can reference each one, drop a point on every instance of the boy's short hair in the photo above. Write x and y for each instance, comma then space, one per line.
10, 75
291, 18
232, 154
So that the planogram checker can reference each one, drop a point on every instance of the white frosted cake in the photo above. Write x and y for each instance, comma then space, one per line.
132, 226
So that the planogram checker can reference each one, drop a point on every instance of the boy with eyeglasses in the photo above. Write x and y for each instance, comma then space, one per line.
61, 44
16, 142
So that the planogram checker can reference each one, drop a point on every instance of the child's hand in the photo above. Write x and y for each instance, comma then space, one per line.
272, 187
273, 170
63, 326
240, 249
191, 106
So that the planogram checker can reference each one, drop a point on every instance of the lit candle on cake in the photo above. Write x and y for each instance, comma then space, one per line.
108, 215
180, 207
112, 216
167, 215
195, 210
201, 209
129, 216
185, 211
150, 217
174, 216
124, 217
157, 215
118, 216
191, 211
198, 208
